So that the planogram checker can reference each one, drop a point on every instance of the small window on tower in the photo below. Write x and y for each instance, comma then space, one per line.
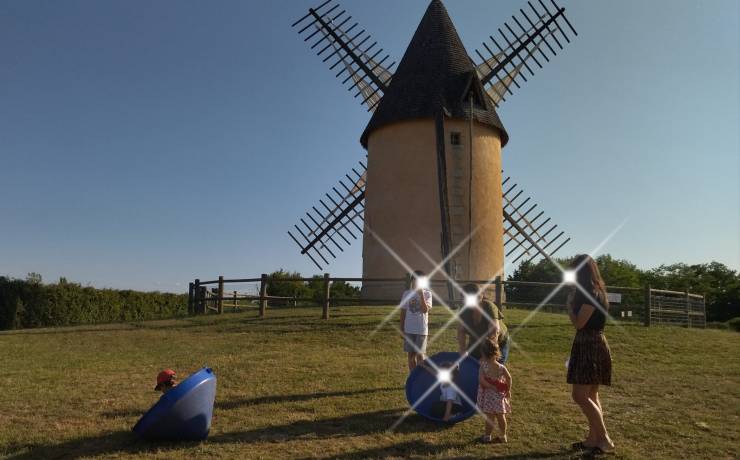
455, 138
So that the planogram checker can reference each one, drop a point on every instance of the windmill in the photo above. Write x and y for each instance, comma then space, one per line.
432, 186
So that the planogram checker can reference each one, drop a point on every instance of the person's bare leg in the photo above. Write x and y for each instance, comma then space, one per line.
502, 426
604, 443
412, 361
489, 425
597, 430
448, 411
593, 395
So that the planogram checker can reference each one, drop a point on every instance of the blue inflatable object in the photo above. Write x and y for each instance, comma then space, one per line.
183, 413
420, 380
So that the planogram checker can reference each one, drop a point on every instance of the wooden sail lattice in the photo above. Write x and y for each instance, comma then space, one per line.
335, 33
337, 223
518, 46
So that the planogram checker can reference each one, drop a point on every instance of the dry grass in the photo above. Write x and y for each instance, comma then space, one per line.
295, 386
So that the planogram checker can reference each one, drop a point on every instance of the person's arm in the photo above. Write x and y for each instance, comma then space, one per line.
582, 317
482, 379
507, 378
424, 304
461, 336
571, 306
403, 320
494, 329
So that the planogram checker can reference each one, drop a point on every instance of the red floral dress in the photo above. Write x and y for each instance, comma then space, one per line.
493, 400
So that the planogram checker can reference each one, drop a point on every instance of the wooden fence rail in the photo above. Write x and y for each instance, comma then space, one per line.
650, 306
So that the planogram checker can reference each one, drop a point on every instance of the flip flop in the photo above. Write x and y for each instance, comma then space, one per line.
485, 439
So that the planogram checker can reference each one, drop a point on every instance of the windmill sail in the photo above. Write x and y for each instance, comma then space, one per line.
370, 97
528, 233
517, 47
331, 33
339, 218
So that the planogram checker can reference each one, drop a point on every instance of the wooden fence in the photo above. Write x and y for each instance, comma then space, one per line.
645, 305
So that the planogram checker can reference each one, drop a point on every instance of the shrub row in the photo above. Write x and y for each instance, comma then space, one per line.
29, 303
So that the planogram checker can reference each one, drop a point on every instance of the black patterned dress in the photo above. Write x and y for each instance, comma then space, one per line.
590, 360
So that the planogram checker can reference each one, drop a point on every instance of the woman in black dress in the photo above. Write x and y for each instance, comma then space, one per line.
590, 363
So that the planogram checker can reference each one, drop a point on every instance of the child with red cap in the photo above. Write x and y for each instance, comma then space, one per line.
165, 381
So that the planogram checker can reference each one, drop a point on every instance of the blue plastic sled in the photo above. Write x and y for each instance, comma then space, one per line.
182, 414
420, 380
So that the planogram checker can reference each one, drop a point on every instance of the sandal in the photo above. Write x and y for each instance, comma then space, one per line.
598, 451
485, 439
579, 446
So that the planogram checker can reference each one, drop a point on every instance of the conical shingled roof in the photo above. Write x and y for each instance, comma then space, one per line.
435, 74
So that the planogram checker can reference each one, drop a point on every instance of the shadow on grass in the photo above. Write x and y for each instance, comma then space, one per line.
271, 399
127, 442
236, 403
421, 448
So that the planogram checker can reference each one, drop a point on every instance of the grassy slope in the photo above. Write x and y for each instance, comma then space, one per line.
295, 386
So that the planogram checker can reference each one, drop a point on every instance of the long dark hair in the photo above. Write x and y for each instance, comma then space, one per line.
589, 278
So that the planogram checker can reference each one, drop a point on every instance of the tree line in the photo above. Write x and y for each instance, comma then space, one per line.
718, 283
31, 303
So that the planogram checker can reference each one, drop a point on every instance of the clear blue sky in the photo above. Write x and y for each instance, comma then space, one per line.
144, 144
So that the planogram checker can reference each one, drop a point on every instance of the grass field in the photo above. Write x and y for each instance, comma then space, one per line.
294, 386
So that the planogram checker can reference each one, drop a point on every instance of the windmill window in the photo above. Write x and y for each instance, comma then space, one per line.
455, 138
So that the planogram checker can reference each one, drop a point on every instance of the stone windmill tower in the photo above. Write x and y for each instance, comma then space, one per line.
432, 187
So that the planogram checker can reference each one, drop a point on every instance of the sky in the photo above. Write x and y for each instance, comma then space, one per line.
146, 144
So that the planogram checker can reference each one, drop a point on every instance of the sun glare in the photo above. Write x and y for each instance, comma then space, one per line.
422, 282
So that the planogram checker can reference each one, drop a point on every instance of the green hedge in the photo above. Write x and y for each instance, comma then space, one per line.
26, 304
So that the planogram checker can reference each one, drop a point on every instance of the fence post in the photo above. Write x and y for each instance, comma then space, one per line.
220, 302
196, 293
191, 298
236, 302
327, 296
648, 297
263, 294
688, 308
498, 295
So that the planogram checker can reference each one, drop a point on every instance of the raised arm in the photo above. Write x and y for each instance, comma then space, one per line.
494, 329
424, 304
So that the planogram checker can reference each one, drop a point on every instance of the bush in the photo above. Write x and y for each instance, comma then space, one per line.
29, 303
734, 324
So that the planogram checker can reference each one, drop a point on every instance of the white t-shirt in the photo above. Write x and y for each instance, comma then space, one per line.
416, 322
448, 393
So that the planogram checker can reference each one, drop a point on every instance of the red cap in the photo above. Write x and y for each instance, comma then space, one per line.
164, 377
